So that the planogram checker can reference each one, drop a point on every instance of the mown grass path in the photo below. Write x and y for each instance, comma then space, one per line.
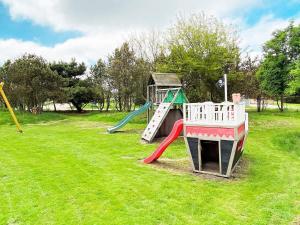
65, 169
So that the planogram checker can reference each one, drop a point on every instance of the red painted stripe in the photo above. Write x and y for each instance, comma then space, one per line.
210, 131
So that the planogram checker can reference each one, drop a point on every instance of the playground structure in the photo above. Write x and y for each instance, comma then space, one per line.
9, 108
214, 134
165, 91
165, 98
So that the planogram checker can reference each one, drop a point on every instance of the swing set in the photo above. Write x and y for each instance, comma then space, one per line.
11, 111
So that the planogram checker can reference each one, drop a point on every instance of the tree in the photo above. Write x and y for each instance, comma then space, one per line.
30, 82
126, 74
280, 56
141, 73
81, 93
148, 46
294, 85
100, 80
78, 89
245, 81
201, 49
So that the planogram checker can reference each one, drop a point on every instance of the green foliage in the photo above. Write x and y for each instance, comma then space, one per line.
274, 75
280, 55
127, 77
81, 93
69, 70
244, 80
294, 85
100, 80
29, 82
202, 49
79, 90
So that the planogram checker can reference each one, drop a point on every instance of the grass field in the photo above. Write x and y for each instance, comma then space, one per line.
65, 169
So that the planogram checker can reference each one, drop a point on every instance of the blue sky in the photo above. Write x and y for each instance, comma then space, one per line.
87, 30
279, 8
27, 30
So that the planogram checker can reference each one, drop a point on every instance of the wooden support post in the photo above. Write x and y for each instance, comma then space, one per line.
148, 100
9, 108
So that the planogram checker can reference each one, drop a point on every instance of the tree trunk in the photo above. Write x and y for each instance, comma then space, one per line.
120, 103
101, 105
263, 105
129, 104
278, 104
281, 103
258, 103
78, 107
54, 106
107, 103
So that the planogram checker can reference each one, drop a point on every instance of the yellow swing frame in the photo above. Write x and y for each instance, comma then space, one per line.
11, 111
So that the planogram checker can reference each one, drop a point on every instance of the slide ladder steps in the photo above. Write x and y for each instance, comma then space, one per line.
156, 121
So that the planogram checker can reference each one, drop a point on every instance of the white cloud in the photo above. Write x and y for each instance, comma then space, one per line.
106, 23
87, 48
89, 15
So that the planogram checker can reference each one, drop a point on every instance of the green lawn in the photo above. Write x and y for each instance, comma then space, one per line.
65, 169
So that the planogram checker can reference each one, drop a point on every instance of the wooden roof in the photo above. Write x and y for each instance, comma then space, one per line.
165, 79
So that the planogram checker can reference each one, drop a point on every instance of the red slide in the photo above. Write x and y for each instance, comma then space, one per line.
177, 128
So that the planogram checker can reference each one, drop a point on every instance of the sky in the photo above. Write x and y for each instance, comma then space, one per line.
91, 29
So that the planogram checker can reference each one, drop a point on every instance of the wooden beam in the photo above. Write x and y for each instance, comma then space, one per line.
9, 108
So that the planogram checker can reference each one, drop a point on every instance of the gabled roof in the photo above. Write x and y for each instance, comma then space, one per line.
165, 79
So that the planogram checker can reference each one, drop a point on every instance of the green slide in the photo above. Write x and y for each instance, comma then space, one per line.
124, 121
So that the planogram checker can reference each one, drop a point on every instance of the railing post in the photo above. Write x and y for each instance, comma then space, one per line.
184, 113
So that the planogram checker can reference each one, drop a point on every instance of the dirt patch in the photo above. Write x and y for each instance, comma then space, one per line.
272, 124
127, 157
47, 123
90, 125
241, 170
296, 221
131, 131
183, 166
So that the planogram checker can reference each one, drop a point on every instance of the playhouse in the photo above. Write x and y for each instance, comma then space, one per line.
165, 92
215, 135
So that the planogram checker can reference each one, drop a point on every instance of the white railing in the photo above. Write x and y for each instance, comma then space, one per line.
209, 113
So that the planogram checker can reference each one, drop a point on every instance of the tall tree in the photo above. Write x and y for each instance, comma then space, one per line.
148, 46
280, 55
201, 49
124, 78
245, 81
101, 81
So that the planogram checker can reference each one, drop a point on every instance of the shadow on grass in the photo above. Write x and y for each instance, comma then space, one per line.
29, 118
288, 142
